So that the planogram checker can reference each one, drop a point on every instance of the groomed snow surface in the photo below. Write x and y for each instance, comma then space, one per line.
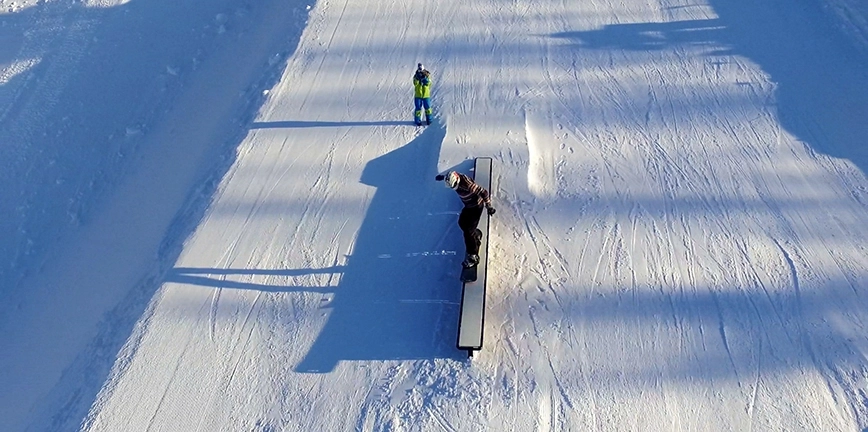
216, 215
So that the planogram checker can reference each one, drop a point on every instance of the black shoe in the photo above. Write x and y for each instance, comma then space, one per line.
470, 261
428, 121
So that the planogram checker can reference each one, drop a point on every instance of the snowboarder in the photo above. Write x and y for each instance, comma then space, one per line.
475, 198
422, 90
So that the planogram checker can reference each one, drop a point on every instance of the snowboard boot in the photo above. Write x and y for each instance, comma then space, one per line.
470, 261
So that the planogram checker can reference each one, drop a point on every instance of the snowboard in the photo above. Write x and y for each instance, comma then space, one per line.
468, 274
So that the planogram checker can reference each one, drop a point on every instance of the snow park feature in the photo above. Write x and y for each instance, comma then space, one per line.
471, 323
218, 215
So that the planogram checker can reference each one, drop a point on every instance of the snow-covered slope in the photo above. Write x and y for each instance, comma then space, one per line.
851, 18
107, 156
232, 224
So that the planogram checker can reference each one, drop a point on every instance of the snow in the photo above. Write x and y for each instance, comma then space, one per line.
217, 215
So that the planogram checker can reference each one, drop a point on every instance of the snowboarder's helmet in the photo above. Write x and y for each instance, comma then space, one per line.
420, 68
451, 180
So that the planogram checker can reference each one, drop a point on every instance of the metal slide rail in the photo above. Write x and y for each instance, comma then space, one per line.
472, 319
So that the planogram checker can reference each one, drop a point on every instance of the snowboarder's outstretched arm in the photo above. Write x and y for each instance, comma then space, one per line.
471, 194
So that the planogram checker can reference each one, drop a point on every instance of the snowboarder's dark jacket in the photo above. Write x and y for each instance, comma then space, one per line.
472, 194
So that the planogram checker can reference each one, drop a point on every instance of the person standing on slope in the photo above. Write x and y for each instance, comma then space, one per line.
422, 93
475, 198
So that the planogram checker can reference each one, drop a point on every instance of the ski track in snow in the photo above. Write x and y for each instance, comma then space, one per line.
679, 242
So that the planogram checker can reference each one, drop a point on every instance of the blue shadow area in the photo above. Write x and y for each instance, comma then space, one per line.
72, 130
103, 76
821, 79
399, 293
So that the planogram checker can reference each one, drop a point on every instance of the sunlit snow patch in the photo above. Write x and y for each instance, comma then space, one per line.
12, 7
17, 67
103, 4
541, 169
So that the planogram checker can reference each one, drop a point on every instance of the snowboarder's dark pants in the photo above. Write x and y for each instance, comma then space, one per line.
468, 220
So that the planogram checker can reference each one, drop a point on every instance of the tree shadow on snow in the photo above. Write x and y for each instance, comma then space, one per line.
399, 294
820, 76
744, 333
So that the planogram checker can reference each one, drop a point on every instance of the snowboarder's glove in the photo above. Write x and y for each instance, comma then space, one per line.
439, 177
491, 211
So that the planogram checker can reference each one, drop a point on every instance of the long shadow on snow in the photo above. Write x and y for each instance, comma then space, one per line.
316, 124
204, 277
395, 300
822, 83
